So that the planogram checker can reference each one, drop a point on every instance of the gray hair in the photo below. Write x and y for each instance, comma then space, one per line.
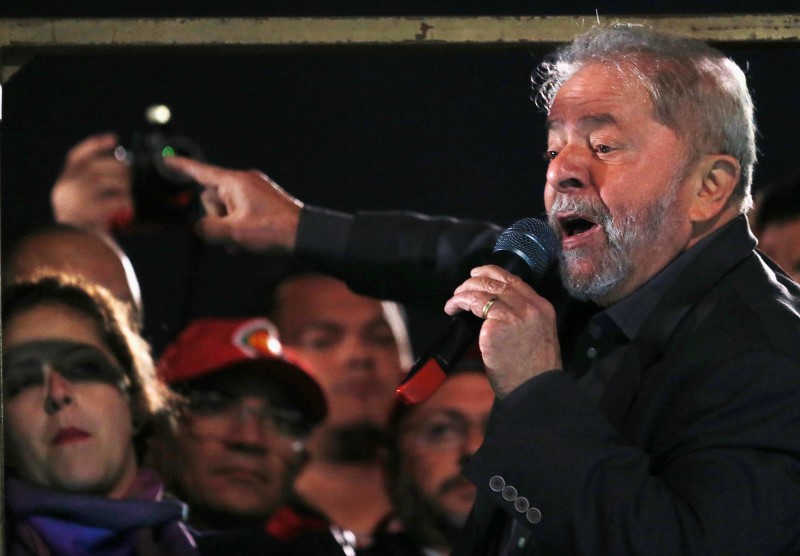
696, 90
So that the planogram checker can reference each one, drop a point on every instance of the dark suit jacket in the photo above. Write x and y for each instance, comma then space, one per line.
256, 542
695, 446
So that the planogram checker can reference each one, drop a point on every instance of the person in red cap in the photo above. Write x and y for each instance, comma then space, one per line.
247, 409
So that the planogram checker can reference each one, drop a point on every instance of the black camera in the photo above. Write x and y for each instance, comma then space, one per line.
161, 196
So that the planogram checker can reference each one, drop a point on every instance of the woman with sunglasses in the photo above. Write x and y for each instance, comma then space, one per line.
80, 396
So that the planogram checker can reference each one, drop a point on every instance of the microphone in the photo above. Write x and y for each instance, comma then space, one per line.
527, 249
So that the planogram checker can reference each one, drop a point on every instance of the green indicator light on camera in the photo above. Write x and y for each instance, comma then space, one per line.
167, 152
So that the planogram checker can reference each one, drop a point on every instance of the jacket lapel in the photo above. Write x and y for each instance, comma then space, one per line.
688, 293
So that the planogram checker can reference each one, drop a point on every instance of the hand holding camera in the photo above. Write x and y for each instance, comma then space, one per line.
94, 188
107, 187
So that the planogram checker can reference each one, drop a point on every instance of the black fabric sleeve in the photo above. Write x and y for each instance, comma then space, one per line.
411, 258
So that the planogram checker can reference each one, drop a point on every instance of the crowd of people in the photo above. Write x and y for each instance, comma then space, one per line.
649, 403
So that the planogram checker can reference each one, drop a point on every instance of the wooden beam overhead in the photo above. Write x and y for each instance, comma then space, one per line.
109, 35
20, 39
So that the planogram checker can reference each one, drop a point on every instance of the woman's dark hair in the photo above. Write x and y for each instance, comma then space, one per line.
149, 398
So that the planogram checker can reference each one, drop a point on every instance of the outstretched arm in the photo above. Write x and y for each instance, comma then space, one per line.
411, 258
244, 207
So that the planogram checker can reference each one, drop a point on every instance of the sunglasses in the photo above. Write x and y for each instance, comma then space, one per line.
26, 366
217, 410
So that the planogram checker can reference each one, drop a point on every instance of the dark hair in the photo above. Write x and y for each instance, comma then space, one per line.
284, 268
778, 202
149, 398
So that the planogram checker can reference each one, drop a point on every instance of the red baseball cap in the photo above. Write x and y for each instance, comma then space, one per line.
212, 345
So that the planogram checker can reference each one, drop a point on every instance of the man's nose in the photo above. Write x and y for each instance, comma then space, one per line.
249, 431
57, 391
470, 444
569, 169
359, 354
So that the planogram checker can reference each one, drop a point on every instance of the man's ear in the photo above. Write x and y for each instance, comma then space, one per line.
717, 175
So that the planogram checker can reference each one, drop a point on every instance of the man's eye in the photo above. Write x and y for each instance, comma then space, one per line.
289, 423
436, 433
209, 403
382, 339
317, 341
603, 149
317, 344
550, 155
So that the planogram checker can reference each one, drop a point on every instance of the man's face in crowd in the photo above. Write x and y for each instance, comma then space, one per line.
230, 456
346, 342
436, 438
616, 185
781, 242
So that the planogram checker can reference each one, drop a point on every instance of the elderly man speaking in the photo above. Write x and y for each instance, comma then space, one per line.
656, 408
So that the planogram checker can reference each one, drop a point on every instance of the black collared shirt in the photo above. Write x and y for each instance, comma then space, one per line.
601, 346
602, 343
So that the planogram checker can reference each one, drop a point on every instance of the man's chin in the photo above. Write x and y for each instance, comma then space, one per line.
357, 442
456, 514
580, 282
587, 280
240, 500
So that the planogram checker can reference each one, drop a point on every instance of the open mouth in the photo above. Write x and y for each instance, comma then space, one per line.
574, 224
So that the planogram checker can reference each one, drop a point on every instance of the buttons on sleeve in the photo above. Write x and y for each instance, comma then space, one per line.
533, 515
497, 483
510, 494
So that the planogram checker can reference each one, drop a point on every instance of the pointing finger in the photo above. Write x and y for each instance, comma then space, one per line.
204, 174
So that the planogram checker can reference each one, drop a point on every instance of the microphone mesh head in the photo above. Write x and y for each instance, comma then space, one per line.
532, 240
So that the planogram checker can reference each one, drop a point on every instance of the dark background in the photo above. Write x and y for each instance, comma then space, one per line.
436, 129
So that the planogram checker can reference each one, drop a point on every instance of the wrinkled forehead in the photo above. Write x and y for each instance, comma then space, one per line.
596, 85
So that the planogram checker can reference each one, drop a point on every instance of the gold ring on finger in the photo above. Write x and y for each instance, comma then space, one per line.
487, 306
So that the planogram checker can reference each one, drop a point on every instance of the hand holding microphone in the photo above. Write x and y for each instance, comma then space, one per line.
518, 337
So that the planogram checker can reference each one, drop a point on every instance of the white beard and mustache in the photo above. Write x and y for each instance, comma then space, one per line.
624, 236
